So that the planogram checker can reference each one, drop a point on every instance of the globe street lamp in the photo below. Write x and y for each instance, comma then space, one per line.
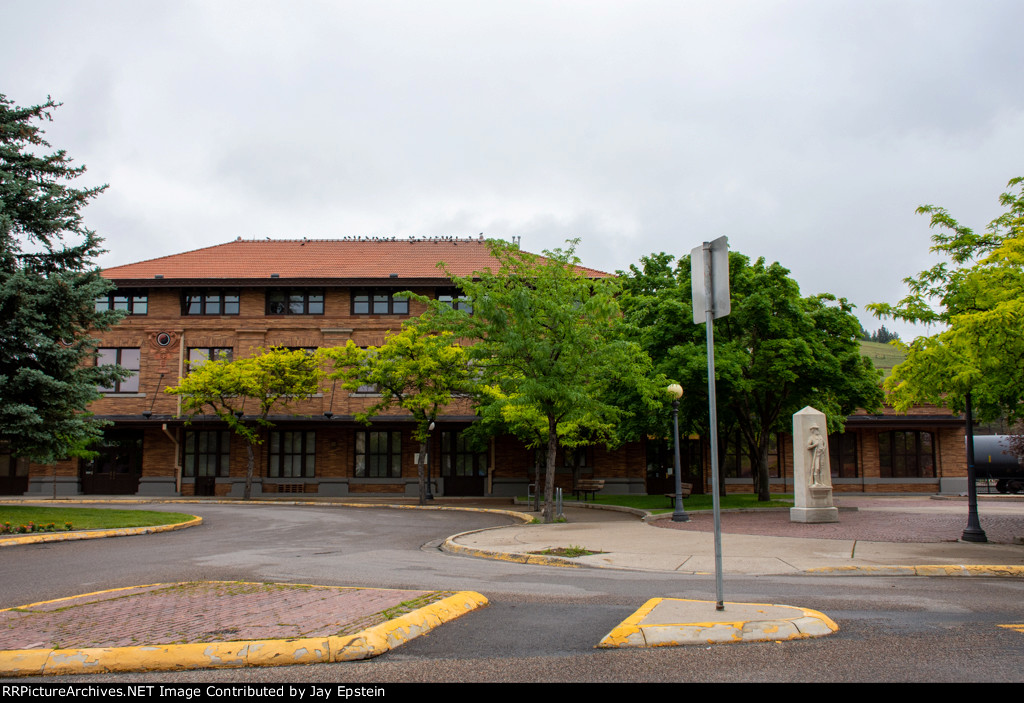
679, 514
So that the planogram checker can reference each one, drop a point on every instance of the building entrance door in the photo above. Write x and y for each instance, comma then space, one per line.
117, 469
206, 486
13, 475
464, 470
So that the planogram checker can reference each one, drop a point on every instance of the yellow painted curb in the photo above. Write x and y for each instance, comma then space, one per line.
42, 537
174, 657
1001, 570
635, 632
627, 630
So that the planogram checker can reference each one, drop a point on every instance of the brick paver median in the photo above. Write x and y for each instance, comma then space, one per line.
208, 611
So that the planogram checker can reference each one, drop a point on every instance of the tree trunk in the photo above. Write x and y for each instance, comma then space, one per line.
549, 481
249, 470
536, 479
761, 472
421, 474
722, 451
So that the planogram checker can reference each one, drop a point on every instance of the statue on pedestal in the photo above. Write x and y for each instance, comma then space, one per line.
812, 477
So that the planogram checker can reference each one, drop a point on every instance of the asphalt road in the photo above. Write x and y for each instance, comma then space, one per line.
543, 622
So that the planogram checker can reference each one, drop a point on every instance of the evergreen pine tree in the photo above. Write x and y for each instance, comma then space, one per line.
48, 289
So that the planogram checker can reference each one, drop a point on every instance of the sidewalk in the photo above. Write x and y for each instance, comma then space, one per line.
209, 624
894, 535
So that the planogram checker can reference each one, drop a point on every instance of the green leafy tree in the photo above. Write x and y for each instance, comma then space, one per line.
550, 343
775, 353
272, 380
884, 336
48, 291
975, 296
417, 369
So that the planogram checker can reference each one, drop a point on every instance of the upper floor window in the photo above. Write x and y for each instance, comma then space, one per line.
379, 302
210, 302
455, 300
197, 356
295, 302
906, 454
129, 359
134, 302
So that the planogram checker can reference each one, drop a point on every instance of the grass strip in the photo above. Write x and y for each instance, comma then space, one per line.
89, 518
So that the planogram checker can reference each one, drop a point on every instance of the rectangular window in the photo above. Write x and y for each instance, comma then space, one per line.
197, 356
379, 302
134, 302
737, 460
457, 459
577, 457
292, 455
210, 302
378, 454
842, 454
455, 300
368, 387
295, 302
127, 358
906, 454
207, 454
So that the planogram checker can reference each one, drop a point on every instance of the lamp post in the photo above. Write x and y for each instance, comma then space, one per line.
679, 514
430, 428
973, 532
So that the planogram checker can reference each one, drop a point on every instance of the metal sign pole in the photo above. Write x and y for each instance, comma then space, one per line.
709, 318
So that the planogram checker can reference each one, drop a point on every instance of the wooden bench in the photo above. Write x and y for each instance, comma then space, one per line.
587, 485
687, 489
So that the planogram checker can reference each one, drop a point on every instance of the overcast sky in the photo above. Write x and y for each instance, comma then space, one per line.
806, 132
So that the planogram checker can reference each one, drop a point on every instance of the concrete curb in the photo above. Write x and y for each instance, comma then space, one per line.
989, 570
41, 537
193, 501
176, 657
979, 570
450, 547
763, 623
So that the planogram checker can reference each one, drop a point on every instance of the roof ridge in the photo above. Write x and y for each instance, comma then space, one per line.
367, 256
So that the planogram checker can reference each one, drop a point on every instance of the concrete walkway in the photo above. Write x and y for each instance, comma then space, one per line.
210, 624
921, 533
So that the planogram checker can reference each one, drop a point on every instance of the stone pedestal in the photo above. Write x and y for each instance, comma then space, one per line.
812, 477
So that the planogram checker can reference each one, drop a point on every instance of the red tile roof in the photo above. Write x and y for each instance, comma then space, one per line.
354, 258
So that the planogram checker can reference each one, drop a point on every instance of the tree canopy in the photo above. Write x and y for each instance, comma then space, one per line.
271, 380
975, 295
775, 353
551, 350
48, 292
415, 369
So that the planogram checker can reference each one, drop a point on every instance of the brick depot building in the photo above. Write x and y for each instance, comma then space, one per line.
235, 298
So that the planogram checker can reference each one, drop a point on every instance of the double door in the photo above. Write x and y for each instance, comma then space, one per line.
117, 468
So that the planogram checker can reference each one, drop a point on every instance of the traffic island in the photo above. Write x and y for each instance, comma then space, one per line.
665, 622
170, 627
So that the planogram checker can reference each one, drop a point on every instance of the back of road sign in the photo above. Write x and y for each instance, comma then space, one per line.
720, 304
